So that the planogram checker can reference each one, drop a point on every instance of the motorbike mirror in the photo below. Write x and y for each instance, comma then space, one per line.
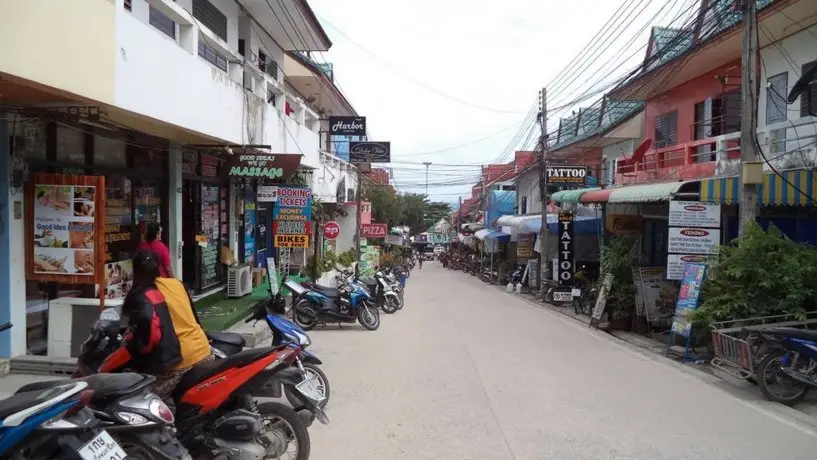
109, 314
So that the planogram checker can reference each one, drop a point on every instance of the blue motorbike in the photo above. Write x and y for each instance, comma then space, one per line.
350, 302
788, 368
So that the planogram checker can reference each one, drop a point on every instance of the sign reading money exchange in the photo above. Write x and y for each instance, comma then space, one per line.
292, 217
263, 165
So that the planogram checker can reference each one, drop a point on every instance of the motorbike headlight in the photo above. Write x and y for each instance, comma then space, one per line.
301, 339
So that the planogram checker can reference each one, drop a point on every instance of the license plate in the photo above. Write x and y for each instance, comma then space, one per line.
102, 447
562, 296
307, 388
577, 292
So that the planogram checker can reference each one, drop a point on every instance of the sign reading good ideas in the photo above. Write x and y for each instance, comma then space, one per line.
292, 217
263, 165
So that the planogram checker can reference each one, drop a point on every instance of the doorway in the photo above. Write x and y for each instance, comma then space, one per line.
189, 230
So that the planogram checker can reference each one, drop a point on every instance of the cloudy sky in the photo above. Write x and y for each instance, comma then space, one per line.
432, 75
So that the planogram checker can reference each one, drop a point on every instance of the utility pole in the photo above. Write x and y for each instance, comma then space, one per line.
358, 218
748, 122
543, 191
427, 163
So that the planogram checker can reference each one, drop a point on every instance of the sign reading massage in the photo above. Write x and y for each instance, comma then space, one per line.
566, 176
263, 165
292, 217
347, 126
369, 152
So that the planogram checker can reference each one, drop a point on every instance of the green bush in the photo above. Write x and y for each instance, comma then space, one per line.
617, 259
760, 274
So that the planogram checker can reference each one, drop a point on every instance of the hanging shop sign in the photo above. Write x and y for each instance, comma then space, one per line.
66, 221
263, 165
566, 176
694, 214
331, 230
369, 152
292, 217
374, 230
524, 246
688, 240
566, 249
347, 126
624, 224
394, 240
267, 193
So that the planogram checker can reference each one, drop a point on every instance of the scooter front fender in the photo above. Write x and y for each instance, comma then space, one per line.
309, 357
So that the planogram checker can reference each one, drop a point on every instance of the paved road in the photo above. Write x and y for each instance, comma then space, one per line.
467, 371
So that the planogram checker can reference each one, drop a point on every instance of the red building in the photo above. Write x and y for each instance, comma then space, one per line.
379, 175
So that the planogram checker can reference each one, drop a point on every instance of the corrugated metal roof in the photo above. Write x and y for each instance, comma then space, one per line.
646, 193
570, 196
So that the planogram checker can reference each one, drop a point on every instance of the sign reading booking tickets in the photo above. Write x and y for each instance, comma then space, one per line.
292, 217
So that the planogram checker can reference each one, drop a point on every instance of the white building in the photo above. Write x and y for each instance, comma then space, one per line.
156, 95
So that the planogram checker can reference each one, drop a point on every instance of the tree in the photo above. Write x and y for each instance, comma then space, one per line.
411, 209
386, 207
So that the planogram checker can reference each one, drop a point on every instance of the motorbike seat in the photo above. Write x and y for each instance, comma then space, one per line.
229, 338
792, 332
21, 401
105, 386
327, 291
203, 371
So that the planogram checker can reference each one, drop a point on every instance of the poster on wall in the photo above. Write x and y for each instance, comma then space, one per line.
118, 279
64, 235
65, 218
292, 217
369, 260
524, 246
694, 235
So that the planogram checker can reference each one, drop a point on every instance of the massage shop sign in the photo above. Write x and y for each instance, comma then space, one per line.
292, 217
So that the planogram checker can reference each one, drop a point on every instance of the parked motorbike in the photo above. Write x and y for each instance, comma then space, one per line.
348, 303
789, 361
216, 410
583, 303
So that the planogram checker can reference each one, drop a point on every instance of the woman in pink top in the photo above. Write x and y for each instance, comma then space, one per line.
153, 242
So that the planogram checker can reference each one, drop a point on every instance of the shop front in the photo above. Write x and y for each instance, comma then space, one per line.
204, 221
80, 233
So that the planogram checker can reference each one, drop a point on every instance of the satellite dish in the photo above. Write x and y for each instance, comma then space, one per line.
642, 148
802, 84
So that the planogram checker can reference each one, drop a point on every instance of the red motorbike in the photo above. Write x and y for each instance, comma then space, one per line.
217, 415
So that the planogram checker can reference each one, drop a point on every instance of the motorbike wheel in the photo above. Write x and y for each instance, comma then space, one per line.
389, 305
485, 277
769, 372
314, 373
578, 307
284, 423
369, 316
137, 448
301, 315
400, 301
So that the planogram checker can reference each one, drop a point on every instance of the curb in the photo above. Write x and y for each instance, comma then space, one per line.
782, 413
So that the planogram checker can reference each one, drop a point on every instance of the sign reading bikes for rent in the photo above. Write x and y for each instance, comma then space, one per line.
292, 217
566, 176
347, 126
374, 230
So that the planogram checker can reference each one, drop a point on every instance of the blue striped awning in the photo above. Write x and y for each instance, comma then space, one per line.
775, 190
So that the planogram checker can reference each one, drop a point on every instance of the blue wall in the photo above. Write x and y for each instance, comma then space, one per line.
500, 203
5, 242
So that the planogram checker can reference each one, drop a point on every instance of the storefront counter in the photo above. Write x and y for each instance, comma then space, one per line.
69, 323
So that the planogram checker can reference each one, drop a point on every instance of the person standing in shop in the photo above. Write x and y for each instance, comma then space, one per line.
153, 242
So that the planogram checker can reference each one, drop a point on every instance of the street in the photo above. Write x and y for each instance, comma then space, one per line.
467, 371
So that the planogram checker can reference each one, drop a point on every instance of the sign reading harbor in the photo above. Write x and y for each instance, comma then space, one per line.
347, 126
369, 152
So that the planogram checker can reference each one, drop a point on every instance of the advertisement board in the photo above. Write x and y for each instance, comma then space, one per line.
292, 217
694, 214
687, 240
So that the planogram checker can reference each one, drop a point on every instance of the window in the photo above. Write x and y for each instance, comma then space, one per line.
262, 60
666, 129
241, 46
523, 205
128, 5
776, 89
777, 141
267, 65
729, 112
211, 55
162, 22
211, 17
807, 102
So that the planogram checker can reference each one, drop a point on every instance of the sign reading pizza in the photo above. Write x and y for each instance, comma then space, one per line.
374, 230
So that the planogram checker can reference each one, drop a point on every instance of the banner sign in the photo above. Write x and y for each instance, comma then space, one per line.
566, 249
688, 297
566, 176
347, 126
374, 230
369, 152
524, 246
292, 217
263, 165
694, 214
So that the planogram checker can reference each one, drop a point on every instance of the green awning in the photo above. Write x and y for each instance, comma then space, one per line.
646, 193
571, 196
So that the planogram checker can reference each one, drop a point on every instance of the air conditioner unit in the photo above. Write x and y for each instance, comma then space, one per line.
239, 281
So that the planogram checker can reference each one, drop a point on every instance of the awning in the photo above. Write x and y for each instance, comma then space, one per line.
472, 226
596, 196
480, 234
723, 190
499, 236
505, 220
777, 191
646, 193
570, 196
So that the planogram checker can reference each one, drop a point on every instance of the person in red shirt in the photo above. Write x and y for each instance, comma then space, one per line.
153, 242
